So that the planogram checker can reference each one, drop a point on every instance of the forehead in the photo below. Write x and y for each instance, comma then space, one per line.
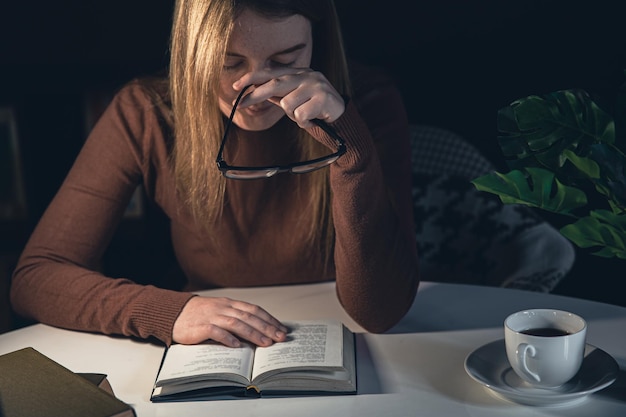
253, 32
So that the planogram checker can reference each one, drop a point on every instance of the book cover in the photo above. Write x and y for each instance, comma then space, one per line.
33, 385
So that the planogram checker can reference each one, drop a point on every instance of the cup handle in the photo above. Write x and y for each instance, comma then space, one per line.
523, 351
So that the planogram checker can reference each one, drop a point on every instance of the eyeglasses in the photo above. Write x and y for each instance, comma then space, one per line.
250, 173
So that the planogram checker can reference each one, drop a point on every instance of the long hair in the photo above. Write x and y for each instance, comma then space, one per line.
200, 34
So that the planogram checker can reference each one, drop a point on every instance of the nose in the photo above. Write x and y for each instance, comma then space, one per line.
256, 73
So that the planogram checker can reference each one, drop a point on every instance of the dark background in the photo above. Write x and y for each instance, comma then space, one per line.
456, 61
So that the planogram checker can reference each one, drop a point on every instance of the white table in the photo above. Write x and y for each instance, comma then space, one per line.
416, 369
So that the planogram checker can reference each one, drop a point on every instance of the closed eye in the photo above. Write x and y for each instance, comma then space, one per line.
278, 64
232, 66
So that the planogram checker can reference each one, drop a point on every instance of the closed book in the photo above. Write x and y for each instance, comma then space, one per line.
33, 385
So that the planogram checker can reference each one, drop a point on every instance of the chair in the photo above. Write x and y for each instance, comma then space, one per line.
465, 235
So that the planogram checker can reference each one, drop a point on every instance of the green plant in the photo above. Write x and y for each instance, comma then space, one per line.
563, 156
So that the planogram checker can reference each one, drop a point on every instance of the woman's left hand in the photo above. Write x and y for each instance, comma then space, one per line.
302, 93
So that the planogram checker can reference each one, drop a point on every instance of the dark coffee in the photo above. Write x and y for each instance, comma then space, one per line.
545, 332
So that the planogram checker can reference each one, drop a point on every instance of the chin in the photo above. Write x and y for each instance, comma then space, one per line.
259, 122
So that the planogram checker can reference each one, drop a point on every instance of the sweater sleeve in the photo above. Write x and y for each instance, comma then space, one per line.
375, 251
56, 280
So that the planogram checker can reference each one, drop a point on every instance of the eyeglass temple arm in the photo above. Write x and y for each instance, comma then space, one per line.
230, 118
330, 131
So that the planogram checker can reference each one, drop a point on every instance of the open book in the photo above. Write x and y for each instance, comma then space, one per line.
317, 358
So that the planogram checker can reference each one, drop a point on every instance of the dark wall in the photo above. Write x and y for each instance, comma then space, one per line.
52, 53
457, 62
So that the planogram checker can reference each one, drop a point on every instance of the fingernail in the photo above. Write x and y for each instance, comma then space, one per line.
236, 343
280, 334
266, 340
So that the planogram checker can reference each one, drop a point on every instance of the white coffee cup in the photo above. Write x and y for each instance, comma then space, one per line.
545, 347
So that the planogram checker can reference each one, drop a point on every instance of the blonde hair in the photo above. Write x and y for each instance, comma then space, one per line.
200, 33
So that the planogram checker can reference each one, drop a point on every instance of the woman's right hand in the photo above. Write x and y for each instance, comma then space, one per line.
226, 321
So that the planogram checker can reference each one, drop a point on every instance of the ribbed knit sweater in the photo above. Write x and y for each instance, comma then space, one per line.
57, 280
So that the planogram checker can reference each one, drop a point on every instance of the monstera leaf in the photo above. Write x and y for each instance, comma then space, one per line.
601, 228
611, 179
540, 188
536, 131
562, 152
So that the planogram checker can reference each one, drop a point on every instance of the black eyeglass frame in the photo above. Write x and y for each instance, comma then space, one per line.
276, 169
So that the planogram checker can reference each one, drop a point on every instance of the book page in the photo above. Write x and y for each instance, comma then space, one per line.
193, 362
309, 344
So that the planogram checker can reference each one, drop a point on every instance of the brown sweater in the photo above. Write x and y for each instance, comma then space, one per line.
375, 261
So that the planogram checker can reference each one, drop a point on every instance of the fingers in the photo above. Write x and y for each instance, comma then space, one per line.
277, 76
255, 312
251, 322
226, 321
303, 95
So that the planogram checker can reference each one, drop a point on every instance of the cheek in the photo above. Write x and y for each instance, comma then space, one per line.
304, 61
227, 96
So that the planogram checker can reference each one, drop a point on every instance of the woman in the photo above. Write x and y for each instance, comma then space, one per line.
348, 217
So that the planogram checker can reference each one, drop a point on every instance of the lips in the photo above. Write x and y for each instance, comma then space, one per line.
258, 108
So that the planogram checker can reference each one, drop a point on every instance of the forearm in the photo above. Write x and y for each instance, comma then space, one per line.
57, 280
376, 265
375, 251
69, 296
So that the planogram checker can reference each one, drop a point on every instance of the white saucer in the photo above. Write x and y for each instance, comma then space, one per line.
489, 366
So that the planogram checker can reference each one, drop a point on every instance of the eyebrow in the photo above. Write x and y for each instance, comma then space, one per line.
289, 50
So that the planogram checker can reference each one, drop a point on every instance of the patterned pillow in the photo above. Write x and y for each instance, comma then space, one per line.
465, 235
